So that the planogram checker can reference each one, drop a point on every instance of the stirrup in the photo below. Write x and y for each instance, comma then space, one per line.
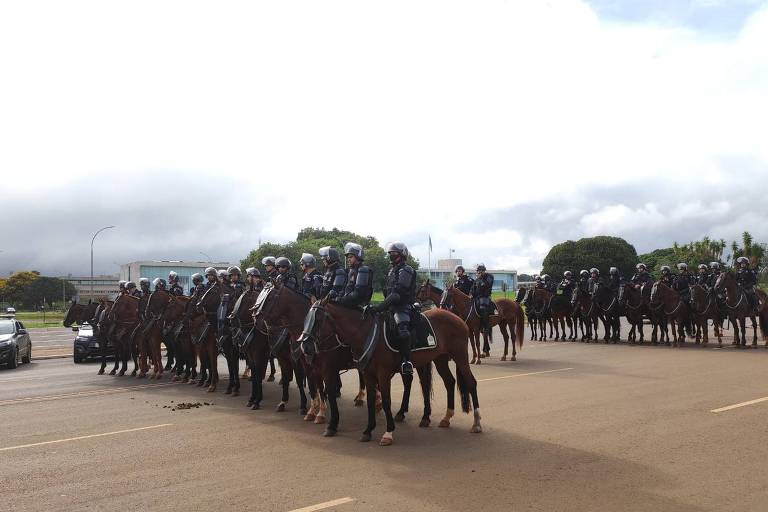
406, 368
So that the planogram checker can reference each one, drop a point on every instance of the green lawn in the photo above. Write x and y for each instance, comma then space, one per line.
34, 319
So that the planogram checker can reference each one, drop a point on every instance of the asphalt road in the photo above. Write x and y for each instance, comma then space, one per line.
569, 426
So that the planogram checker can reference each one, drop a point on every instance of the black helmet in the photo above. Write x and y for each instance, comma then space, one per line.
130, 285
458, 267
682, 266
159, 283
197, 278
210, 271
328, 254
355, 249
234, 270
568, 274
307, 260
584, 273
252, 271
398, 247
283, 262
268, 261
641, 266
143, 282
480, 267
665, 269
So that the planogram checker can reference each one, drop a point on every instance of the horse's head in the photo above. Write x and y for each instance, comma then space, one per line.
210, 299
175, 309
74, 314
424, 291
655, 298
725, 281
158, 301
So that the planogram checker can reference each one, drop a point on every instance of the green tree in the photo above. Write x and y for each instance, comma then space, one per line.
15, 287
601, 252
310, 240
47, 289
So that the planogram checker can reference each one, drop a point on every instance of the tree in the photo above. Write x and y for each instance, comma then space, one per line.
524, 277
601, 252
310, 240
47, 289
15, 287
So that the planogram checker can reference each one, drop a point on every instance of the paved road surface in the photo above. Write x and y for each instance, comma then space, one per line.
567, 427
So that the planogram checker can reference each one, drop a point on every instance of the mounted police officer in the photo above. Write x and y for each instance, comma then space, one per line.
211, 277
538, 282
400, 293
714, 274
334, 279
173, 284
309, 281
235, 274
284, 275
121, 288
615, 279
481, 294
130, 288
269, 268
584, 281
682, 282
642, 276
549, 284
747, 279
254, 280
703, 278
567, 284
463, 281
144, 285
667, 277
222, 277
359, 287
159, 284
197, 285
594, 279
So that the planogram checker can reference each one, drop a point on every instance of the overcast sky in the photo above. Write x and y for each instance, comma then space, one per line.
500, 128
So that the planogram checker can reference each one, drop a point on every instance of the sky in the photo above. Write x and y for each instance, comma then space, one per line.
498, 128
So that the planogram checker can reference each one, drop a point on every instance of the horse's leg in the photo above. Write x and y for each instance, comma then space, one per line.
441, 363
213, 356
472, 344
258, 371
754, 331
407, 381
125, 354
468, 388
103, 351
332, 392
235, 356
370, 398
314, 401
271, 377
227, 349
361, 389
118, 355
301, 378
505, 336
385, 386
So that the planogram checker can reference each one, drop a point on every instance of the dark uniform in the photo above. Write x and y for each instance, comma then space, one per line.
481, 294
615, 281
359, 287
465, 283
747, 279
334, 281
284, 275
682, 285
568, 284
309, 282
642, 278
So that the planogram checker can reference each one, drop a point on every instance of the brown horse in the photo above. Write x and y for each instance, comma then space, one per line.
674, 309
102, 332
551, 305
175, 319
704, 307
586, 310
345, 326
631, 302
124, 315
80, 313
738, 308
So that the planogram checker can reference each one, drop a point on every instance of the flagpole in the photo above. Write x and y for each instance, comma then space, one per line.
429, 260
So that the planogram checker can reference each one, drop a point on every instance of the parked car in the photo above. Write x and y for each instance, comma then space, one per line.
10, 311
15, 345
87, 346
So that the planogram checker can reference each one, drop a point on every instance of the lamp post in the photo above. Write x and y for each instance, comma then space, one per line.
209, 258
92, 239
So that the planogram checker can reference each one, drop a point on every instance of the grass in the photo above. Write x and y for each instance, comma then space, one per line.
34, 319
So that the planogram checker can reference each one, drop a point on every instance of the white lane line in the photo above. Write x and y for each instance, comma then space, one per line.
524, 374
742, 404
7, 448
78, 394
321, 506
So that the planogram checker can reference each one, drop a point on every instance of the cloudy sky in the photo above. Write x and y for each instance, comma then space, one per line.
500, 127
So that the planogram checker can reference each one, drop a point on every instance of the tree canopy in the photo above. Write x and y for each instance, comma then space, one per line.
310, 240
601, 252
28, 289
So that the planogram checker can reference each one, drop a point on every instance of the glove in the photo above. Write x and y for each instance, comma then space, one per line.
370, 309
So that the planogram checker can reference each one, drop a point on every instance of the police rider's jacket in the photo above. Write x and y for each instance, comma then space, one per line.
400, 289
747, 278
567, 285
482, 288
703, 279
464, 283
287, 279
309, 282
642, 278
359, 287
334, 281
682, 283
176, 289
614, 282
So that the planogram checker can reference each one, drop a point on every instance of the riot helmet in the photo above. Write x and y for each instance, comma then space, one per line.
354, 249
307, 260
329, 255
197, 278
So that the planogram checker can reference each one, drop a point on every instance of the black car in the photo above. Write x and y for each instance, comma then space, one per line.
15, 345
87, 346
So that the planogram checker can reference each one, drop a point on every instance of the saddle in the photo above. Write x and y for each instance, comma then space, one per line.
422, 336
277, 341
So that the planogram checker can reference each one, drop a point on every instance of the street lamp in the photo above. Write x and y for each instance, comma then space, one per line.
209, 258
92, 239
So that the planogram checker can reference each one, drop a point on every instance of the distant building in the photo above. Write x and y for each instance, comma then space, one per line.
152, 269
103, 287
444, 274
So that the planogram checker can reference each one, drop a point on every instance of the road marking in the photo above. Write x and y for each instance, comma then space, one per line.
742, 404
321, 506
524, 374
84, 437
79, 394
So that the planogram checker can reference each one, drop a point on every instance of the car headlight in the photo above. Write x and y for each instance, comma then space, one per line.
96, 345
5, 343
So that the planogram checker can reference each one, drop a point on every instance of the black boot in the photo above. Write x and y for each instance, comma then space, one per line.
406, 368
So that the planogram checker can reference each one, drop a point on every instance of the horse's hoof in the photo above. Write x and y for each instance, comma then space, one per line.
280, 408
271, 378
329, 432
319, 420
309, 417
302, 411
358, 402
228, 391
400, 417
476, 429
444, 423
249, 403
235, 392
212, 389
112, 372
424, 423
513, 358
256, 407
121, 374
101, 372
503, 358
479, 362
365, 438
385, 441
185, 380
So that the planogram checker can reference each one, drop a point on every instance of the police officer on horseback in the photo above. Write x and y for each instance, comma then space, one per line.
222, 277
144, 285
567, 284
549, 284
121, 288
269, 268
747, 279
584, 281
400, 294
642, 276
615, 279
481, 294
254, 280
703, 278
159, 284
173, 284
682, 282
334, 279
359, 287
311, 276
211, 277
235, 274
594, 280
463, 281
284, 275
130, 288
197, 285
667, 277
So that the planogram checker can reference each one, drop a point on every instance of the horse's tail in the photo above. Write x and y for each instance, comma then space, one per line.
764, 321
519, 327
463, 386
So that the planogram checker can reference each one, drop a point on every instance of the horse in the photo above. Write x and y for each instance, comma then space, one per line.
102, 332
546, 304
334, 323
175, 320
153, 333
585, 308
509, 318
631, 302
124, 315
674, 309
522, 298
737, 307
80, 313
704, 307
217, 306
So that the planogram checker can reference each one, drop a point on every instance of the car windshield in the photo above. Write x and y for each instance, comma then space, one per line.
6, 327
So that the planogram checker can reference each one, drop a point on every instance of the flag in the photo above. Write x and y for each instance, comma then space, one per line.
430, 243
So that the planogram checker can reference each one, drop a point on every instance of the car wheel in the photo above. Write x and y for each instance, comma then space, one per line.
78, 359
27, 358
14, 362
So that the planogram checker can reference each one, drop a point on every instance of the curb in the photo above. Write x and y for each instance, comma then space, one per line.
60, 356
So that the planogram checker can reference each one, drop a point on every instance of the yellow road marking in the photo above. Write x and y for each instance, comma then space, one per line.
742, 404
321, 506
7, 448
524, 374
78, 394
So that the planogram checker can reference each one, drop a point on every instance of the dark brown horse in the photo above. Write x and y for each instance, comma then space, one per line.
346, 326
631, 303
738, 308
102, 332
80, 313
586, 310
704, 307
674, 308
124, 316
176, 323
546, 304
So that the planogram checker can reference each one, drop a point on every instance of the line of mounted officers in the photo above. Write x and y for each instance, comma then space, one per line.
681, 282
